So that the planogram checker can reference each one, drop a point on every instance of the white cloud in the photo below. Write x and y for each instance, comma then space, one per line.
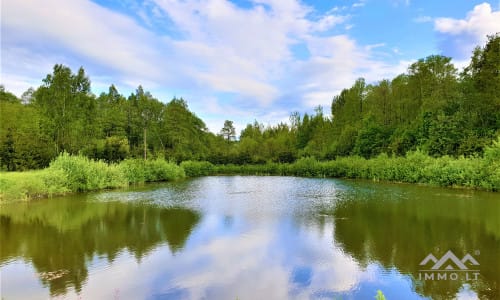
37, 35
329, 21
210, 47
479, 22
460, 36
359, 4
82, 27
465, 293
335, 63
373, 46
423, 19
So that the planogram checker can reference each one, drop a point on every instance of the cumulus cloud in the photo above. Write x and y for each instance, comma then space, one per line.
460, 36
204, 49
73, 32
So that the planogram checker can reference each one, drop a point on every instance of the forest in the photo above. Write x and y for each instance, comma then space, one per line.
432, 108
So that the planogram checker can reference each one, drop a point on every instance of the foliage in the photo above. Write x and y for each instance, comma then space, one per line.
416, 167
432, 107
77, 173
228, 131
197, 168
140, 171
84, 174
32, 184
380, 295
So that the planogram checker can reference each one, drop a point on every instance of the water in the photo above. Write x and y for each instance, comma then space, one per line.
252, 238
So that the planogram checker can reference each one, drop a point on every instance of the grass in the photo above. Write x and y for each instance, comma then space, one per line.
68, 174
32, 184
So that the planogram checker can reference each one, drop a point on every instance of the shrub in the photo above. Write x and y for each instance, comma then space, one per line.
197, 168
305, 166
161, 170
134, 170
84, 174
140, 171
32, 184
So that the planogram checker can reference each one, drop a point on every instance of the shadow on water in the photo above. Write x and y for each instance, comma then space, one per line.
398, 227
60, 236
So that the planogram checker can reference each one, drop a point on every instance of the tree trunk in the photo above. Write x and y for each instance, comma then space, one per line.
145, 145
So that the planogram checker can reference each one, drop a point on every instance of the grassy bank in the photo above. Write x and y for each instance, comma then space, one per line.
416, 167
67, 174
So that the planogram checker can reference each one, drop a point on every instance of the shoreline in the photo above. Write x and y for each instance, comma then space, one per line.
73, 174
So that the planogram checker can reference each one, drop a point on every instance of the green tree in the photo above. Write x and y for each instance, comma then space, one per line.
228, 131
7, 152
372, 139
184, 135
433, 82
67, 108
20, 132
481, 80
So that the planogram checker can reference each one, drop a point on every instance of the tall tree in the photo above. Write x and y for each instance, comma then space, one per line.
228, 131
482, 81
67, 107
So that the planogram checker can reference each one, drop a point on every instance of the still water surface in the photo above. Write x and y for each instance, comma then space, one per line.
252, 238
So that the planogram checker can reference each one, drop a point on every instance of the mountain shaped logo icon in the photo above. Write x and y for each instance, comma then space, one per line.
449, 261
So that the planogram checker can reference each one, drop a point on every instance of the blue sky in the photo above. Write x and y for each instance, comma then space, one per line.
238, 60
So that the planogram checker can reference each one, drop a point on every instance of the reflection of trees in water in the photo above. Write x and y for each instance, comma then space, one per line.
39, 234
401, 233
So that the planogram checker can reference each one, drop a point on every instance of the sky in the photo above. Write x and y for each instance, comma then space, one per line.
241, 60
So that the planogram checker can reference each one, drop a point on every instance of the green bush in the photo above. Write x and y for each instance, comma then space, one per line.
416, 167
140, 171
490, 167
84, 174
78, 173
161, 170
54, 182
134, 170
32, 184
197, 168
306, 166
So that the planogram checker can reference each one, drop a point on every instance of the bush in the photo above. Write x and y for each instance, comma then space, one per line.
140, 171
84, 174
490, 167
306, 166
197, 168
161, 170
416, 167
33, 184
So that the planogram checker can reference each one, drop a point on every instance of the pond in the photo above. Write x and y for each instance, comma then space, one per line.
249, 237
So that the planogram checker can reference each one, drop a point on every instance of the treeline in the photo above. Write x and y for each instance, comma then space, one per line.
432, 108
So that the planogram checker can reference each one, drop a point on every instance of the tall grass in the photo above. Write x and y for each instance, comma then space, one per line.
32, 184
69, 173
140, 171
84, 174
197, 168
415, 167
